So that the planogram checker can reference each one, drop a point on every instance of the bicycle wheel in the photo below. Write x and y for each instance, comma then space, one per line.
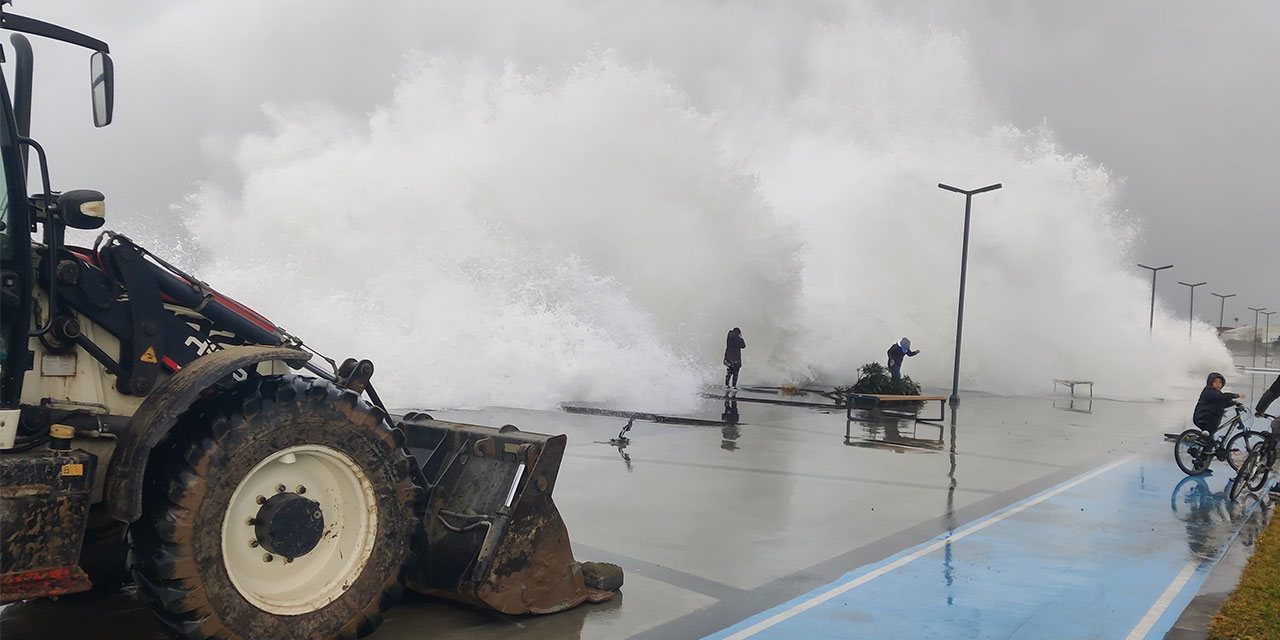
1261, 469
1242, 478
1191, 454
1239, 444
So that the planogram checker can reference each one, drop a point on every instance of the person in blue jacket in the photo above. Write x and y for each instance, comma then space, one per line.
897, 352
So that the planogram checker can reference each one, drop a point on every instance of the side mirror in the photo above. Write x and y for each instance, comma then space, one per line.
82, 209
103, 83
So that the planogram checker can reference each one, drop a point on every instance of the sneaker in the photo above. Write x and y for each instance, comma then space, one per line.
1275, 490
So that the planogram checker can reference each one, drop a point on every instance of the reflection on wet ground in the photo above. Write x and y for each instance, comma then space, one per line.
741, 506
1081, 405
898, 436
1206, 515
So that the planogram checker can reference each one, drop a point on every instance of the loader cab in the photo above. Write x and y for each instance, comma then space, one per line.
18, 217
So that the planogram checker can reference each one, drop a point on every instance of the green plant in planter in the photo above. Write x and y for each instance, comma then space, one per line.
874, 378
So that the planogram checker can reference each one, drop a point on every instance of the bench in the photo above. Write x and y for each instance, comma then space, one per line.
875, 400
1072, 385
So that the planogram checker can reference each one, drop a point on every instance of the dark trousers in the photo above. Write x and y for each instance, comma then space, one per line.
1206, 425
895, 370
731, 372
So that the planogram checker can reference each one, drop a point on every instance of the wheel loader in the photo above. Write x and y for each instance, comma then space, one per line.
155, 430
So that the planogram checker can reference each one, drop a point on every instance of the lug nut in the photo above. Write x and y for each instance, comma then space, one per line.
251, 521
280, 488
261, 500
253, 543
301, 489
267, 557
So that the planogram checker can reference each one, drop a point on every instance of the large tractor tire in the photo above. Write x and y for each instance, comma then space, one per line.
284, 508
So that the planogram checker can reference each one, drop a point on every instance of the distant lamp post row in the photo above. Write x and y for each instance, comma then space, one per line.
1191, 313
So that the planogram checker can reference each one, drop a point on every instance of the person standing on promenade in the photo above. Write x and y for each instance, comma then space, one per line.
733, 346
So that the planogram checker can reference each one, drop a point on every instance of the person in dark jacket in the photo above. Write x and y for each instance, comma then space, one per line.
733, 346
1267, 398
1260, 411
897, 352
1213, 403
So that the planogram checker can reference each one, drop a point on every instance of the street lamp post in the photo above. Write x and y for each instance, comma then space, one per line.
1255, 333
1266, 337
1151, 322
954, 401
1191, 313
1223, 306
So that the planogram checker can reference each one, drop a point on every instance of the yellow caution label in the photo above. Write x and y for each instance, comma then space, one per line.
72, 469
149, 355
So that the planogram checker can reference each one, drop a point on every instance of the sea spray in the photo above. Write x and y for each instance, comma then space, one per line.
888, 112
505, 239
500, 235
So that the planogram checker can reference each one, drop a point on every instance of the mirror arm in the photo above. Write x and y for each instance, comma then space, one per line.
14, 22
52, 233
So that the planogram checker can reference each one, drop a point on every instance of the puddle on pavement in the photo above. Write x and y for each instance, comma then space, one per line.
1209, 515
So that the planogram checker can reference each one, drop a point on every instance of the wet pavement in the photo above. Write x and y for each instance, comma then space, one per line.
1014, 520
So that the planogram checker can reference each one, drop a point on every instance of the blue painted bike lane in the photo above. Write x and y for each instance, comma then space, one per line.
1115, 553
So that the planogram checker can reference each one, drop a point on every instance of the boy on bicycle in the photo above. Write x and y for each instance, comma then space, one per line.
1213, 404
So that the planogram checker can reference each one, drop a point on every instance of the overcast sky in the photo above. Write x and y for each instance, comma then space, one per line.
1178, 99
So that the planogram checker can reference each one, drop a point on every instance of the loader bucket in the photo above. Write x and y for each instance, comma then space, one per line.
493, 535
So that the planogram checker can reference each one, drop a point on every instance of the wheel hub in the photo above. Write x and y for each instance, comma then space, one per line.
287, 561
289, 525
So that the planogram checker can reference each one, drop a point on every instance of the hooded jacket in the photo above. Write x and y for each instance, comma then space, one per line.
734, 344
1213, 404
897, 353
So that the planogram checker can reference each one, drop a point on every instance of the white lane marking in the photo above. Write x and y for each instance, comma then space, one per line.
938, 544
1163, 602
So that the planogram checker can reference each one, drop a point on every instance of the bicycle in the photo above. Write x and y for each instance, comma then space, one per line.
1256, 467
1193, 452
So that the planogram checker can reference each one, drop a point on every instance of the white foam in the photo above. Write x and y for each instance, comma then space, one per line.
510, 236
